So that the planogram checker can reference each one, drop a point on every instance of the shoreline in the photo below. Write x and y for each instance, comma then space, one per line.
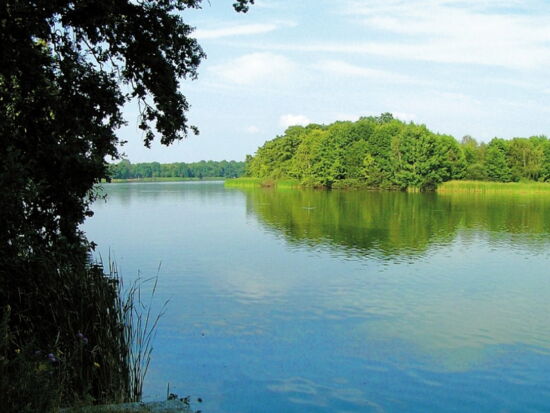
456, 186
163, 179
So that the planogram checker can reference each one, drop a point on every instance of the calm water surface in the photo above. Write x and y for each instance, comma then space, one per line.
307, 301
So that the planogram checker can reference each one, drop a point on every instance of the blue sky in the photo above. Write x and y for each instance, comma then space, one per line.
477, 67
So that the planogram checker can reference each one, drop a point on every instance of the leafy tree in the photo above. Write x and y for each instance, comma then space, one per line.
385, 118
374, 151
419, 162
354, 158
68, 67
307, 155
526, 157
476, 172
496, 161
453, 161
545, 172
387, 153
126, 170
372, 173
474, 157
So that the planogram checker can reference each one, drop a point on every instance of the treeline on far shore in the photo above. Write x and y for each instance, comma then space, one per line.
203, 169
383, 152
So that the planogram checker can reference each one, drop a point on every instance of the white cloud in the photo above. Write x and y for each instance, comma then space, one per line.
447, 31
241, 30
342, 68
252, 129
270, 4
291, 120
404, 116
459, 98
407, 117
510, 34
353, 117
256, 68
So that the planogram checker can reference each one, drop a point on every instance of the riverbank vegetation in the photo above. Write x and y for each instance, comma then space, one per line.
385, 153
68, 69
125, 170
163, 179
524, 187
249, 182
76, 339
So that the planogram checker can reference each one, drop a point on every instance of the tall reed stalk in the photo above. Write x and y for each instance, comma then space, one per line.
495, 187
140, 327
71, 334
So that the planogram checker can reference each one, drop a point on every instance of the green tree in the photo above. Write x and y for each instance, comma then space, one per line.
526, 157
387, 153
372, 173
354, 157
496, 161
419, 162
545, 172
453, 160
307, 155
68, 67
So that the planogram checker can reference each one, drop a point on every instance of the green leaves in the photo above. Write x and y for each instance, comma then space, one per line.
384, 152
68, 67
380, 151
242, 6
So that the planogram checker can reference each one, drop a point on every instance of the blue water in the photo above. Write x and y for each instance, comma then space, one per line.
338, 302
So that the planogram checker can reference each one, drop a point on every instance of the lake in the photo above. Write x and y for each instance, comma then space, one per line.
319, 301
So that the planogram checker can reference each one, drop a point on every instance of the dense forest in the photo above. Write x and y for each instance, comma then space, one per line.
383, 152
203, 169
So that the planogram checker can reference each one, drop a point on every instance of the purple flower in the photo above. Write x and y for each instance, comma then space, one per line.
52, 358
83, 338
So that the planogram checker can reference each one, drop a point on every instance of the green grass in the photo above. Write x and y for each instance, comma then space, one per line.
243, 183
446, 187
84, 338
167, 179
287, 183
495, 187
259, 182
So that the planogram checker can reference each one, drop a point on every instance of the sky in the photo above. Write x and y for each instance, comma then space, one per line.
470, 67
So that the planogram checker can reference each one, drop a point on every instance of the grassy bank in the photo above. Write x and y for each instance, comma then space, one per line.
261, 183
494, 187
73, 336
444, 188
343, 184
166, 179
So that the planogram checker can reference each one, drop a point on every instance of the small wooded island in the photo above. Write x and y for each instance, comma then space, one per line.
385, 153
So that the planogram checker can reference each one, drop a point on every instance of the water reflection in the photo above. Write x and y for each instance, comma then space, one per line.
124, 194
341, 301
397, 225
472, 287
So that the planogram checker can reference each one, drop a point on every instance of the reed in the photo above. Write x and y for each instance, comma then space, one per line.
73, 336
140, 327
247, 182
494, 187
288, 183
243, 183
